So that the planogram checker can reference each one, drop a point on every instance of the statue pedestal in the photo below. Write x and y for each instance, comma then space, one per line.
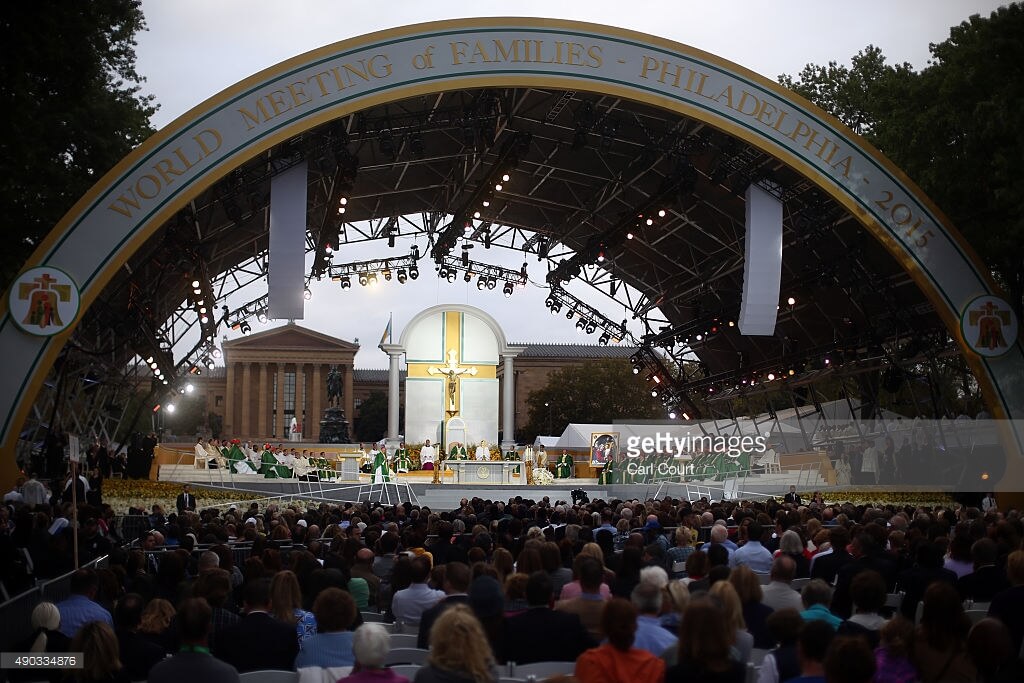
334, 426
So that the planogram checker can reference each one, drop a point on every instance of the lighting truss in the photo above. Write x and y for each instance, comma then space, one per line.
591, 318
453, 264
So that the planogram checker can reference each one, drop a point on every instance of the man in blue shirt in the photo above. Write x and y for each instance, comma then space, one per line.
752, 553
650, 634
720, 535
80, 608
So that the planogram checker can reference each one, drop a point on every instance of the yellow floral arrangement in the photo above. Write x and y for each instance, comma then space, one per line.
122, 494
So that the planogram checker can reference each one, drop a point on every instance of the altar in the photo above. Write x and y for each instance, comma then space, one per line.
347, 466
483, 471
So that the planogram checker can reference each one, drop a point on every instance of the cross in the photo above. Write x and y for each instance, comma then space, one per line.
452, 371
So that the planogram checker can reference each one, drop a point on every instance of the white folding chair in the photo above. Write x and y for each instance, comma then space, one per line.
269, 676
798, 584
976, 615
542, 670
751, 673
764, 579
757, 655
373, 618
406, 655
678, 568
403, 640
407, 670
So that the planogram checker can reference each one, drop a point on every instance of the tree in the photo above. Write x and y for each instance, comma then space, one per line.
593, 392
956, 128
69, 88
373, 417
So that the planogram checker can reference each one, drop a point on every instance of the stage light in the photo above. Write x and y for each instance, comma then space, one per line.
190, 388
306, 294
591, 327
580, 324
341, 209
507, 291
650, 221
600, 256
481, 282
636, 369
202, 309
452, 274
661, 213
504, 178
171, 408
492, 283
363, 280
604, 339
156, 408
195, 284
245, 327
569, 314
497, 188
557, 307
204, 319
685, 416
654, 393
414, 272
149, 360
699, 337
346, 282
328, 249
164, 382
468, 276
402, 276
771, 376
486, 203
828, 361
657, 380
371, 280
672, 415
209, 364
629, 235
792, 372
476, 214
215, 352
343, 201
387, 274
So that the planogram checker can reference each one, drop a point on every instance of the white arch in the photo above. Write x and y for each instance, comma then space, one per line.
487, 318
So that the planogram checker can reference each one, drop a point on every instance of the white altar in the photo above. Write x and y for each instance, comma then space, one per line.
486, 472
347, 466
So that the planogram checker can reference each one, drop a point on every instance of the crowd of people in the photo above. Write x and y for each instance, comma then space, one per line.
639, 591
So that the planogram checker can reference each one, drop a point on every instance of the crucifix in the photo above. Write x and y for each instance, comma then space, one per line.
452, 371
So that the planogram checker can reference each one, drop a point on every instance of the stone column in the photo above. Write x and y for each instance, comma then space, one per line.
300, 398
244, 430
229, 402
393, 395
350, 399
261, 419
279, 427
508, 406
315, 408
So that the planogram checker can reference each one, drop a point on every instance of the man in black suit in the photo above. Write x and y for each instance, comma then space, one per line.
540, 634
193, 662
186, 501
915, 581
827, 566
867, 555
987, 579
258, 641
792, 497
456, 586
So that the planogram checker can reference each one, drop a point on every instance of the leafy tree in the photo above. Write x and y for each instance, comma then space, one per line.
69, 88
372, 422
593, 392
956, 128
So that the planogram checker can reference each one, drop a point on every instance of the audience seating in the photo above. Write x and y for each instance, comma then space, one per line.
976, 615
406, 655
798, 584
404, 640
544, 669
407, 670
765, 579
374, 618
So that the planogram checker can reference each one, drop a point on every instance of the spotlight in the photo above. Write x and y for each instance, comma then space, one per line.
557, 307
492, 283
791, 301
507, 291
261, 317
387, 274
452, 274
549, 302
603, 341
497, 188
591, 327
442, 273
149, 359
215, 353
205, 319
481, 282
654, 393
672, 415
328, 249
636, 369
504, 178
306, 294
468, 276
209, 364
569, 314
402, 276
189, 388
245, 327
414, 272
771, 376
346, 282
170, 408
580, 324
363, 280
372, 280
195, 284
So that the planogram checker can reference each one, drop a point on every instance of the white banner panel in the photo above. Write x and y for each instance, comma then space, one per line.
479, 346
424, 409
762, 265
480, 409
426, 340
287, 267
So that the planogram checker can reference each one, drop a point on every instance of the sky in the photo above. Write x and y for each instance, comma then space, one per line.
196, 48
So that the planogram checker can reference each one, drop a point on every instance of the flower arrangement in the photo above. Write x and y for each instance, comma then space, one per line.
542, 477
235, 442
122, 494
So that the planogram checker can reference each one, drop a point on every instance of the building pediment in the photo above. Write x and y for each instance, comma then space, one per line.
290, 338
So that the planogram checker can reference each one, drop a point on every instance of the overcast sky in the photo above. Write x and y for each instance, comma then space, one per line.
196, 48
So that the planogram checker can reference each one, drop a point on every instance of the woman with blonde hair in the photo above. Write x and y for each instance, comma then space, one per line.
573, 590
755, 612
155, 622
98, 645
286, 605
459, 650
732, 610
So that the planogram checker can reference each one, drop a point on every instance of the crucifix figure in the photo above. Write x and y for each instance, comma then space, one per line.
452, 371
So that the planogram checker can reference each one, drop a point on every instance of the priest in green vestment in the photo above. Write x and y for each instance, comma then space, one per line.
564, 466
457, 452
607, 472
511, 455
403, 463
268, 466
380, 471
234, 456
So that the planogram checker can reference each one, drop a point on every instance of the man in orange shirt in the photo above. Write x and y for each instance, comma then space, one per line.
617, 661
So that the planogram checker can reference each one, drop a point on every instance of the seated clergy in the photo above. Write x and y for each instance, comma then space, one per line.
201, 455
482, 452
427, 455
564, 466
403, 463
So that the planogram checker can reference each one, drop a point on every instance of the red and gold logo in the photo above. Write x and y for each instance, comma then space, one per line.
989, 326
44, 301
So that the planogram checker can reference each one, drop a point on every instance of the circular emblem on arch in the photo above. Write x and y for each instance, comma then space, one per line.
483, 472
989, 326
44, 301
